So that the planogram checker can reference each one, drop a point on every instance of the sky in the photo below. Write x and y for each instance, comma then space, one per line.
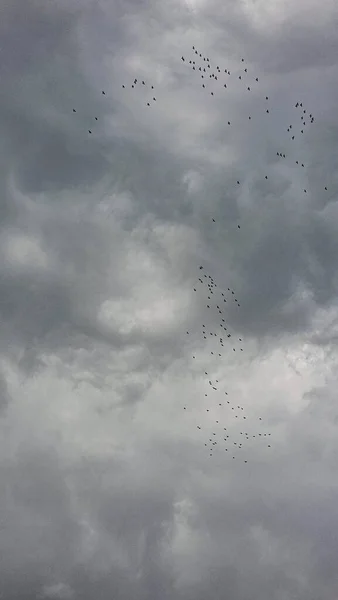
110, 203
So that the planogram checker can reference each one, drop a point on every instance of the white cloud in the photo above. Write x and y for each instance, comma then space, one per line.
60, 591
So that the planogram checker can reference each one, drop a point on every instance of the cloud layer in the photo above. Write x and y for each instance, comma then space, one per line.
106, 489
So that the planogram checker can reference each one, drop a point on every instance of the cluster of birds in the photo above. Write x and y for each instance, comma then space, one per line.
291, 128
213, 78
210, 74
146, 86
90, 131
141, 83
206, 71
222, 413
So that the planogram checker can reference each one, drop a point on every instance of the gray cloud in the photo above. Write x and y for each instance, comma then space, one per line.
106, 489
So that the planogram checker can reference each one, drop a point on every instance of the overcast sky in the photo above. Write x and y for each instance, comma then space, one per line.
107, 488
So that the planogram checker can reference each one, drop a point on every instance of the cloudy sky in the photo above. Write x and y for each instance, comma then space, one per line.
107, 487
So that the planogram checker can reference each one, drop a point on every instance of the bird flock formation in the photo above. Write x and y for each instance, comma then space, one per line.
226, 425
216, 80
149, 90
221, 414
218, 427
146, 87
207, 71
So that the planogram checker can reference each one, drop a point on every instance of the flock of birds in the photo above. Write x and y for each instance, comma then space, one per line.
142, 83
216, 80
220, 412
